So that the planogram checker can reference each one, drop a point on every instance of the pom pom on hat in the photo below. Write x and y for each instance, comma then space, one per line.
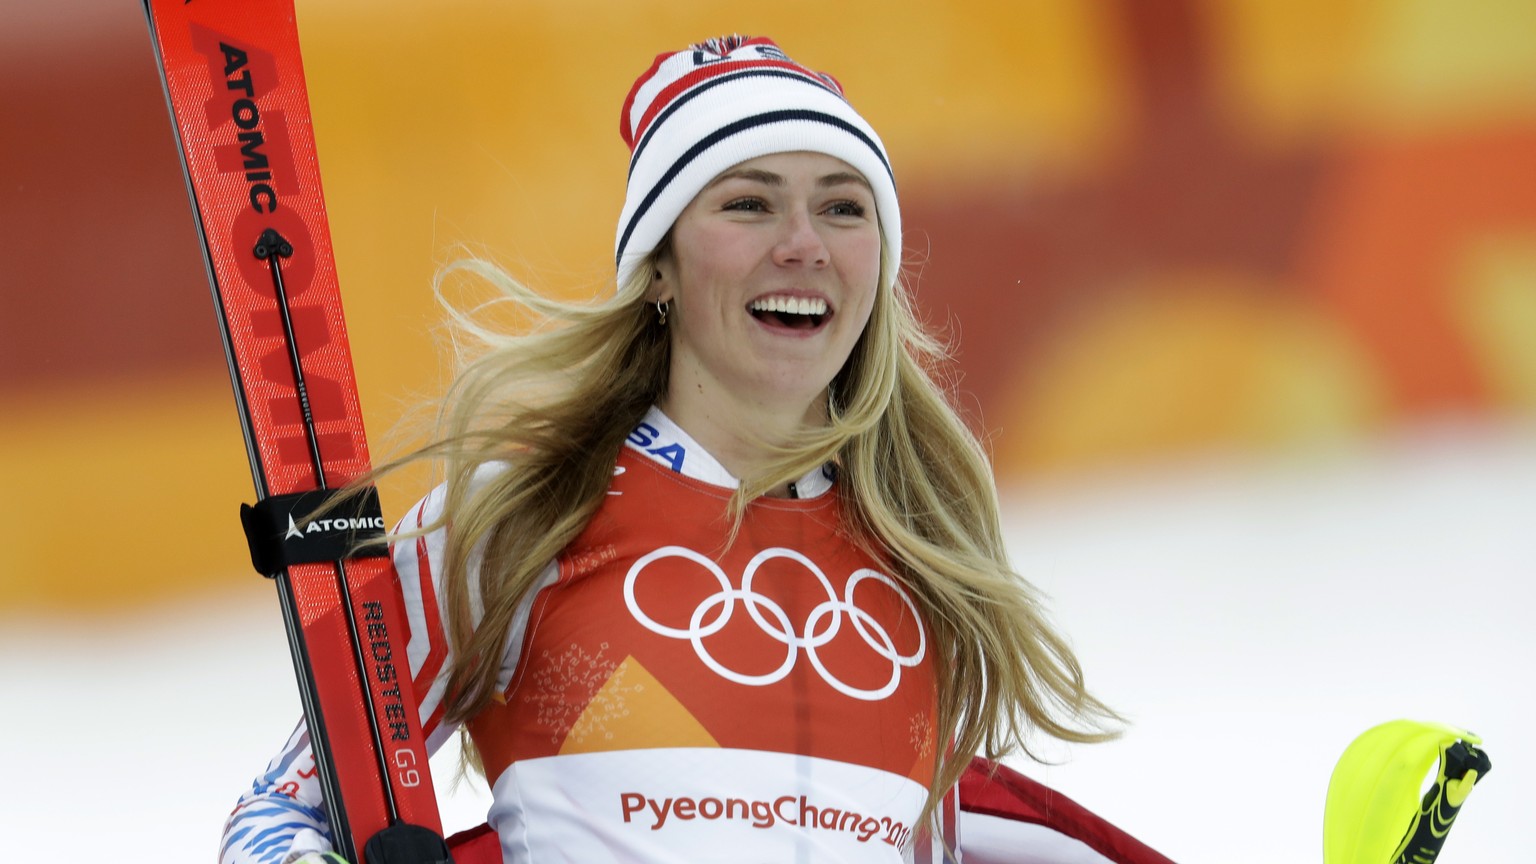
696, 113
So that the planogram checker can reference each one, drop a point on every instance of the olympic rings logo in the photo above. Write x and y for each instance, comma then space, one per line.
821, 626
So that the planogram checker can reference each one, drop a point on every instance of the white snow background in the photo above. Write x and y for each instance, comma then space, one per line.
1251, 617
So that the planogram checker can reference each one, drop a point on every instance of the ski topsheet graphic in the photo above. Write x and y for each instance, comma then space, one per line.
235, 85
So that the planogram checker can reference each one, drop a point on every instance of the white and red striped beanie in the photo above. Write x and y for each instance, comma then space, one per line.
696, 113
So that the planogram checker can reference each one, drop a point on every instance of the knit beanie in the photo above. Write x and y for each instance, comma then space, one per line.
697, 113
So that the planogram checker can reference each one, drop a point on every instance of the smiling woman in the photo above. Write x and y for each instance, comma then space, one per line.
717, 549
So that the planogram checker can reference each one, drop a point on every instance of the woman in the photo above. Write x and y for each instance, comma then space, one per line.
737, 559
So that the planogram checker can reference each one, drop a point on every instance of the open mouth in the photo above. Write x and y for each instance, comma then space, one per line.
795, 313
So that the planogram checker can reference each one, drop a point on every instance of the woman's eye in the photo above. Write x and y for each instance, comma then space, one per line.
747, 204
846, 208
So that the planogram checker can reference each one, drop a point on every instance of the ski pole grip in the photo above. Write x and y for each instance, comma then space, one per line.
403, 843
281, 533
1461, 766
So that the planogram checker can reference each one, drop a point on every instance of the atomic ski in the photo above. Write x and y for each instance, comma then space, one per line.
235, 86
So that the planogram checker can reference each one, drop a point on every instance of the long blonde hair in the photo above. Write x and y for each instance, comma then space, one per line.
550, 408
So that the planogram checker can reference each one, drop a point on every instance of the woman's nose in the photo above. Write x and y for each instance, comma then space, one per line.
801, 242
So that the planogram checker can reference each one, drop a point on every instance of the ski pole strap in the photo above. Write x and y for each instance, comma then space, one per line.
281, 533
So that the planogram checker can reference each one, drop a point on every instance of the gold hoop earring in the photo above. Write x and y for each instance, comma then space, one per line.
661, 312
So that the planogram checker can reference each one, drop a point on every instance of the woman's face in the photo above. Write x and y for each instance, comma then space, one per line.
771, 275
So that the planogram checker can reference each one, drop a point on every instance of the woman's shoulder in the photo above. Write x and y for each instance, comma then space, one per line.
428, 510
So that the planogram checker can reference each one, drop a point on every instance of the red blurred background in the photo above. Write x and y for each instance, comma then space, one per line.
1154, 229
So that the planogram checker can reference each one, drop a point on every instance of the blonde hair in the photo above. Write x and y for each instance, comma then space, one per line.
553, 406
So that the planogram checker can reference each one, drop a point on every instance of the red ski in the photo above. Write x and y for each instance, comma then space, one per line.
235, 85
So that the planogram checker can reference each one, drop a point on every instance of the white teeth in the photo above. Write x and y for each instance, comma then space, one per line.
790, 305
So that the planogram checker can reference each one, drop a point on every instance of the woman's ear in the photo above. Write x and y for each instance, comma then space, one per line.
660, 291
662, 286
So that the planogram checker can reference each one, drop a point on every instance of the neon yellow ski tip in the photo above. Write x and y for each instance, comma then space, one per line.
1375, 813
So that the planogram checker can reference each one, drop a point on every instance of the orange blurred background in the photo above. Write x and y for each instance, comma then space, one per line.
1156, 230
